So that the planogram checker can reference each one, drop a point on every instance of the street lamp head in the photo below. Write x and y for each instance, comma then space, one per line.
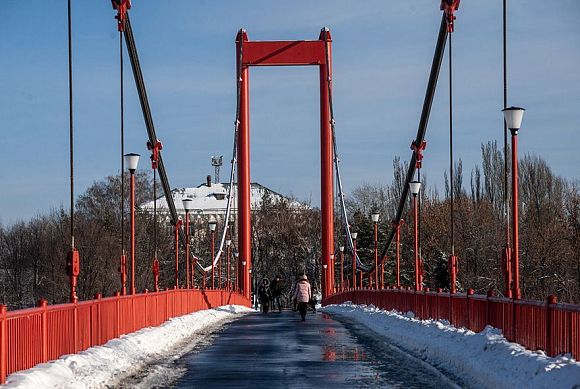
187, 204
212, 224
341, 248
513, 118
415, 187
243, 263
354, 235
132, 160
236, 254
324, 266
228, 242
375, 217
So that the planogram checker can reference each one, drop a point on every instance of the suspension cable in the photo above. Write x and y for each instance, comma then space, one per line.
233, 162
360, 265
122, 100
505, 129
451, 167
70, 118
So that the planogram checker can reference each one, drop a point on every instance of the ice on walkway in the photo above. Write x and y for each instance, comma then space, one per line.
484, 359
102, 366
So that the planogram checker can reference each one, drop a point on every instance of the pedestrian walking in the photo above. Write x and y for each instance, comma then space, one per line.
303, 294
276, 289
265, 295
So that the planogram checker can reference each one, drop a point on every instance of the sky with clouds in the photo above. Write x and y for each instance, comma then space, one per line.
382, 53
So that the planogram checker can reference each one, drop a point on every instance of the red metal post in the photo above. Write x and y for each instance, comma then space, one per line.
123, 271
507, 270
376, 236
187, 266
354, 264
398, 226
176, 229
132, 205
228, 284
155, 269
3, 345
219, 277
452, 273
326, 163
516, 292
212, 258
416, 228
244, 218
360, 279
342, 269
73, 270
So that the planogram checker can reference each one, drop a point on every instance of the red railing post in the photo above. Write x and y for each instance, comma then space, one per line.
490, 293
3, 345
118, 313
549, 331
43, 304
470, 292
99, 325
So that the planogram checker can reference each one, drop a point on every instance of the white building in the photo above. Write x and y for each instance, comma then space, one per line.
210, 200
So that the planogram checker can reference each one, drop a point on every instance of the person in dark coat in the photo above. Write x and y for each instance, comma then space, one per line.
276, 289
265, 295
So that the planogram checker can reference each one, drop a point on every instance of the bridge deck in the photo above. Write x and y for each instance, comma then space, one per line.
278, 350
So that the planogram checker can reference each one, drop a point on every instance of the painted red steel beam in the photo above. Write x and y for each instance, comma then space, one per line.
284, 53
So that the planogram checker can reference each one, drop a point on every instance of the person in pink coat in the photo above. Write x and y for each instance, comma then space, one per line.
302, 295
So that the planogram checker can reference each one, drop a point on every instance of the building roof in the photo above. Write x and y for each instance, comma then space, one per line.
212, 199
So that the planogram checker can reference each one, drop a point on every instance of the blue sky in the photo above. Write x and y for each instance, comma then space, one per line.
382, 54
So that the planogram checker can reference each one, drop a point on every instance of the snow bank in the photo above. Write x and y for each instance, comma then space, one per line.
484, 359
119, 358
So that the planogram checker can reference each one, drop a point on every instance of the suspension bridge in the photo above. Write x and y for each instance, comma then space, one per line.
29, 337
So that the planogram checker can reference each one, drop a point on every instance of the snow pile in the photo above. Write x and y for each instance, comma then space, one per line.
481, 359
119, 358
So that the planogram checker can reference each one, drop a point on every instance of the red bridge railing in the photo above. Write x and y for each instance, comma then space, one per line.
551, 327
36, 335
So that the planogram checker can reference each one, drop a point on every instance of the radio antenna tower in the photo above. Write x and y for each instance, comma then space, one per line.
217, 162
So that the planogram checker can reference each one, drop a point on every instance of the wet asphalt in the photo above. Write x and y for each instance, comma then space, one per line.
277, 350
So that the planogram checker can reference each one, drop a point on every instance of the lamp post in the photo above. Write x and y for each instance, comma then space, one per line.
228, 244
415, 187
187, 205
341, 249
513, 118
354, 235
375, 219
212, 225
132, 160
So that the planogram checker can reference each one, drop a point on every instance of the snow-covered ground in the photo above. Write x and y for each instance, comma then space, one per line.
484, 359
118, 359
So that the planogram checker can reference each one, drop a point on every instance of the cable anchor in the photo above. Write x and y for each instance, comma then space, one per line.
418, 149
450, 6
155, 149
122, 6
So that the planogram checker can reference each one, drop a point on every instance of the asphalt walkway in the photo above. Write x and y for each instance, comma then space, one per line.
278, 351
